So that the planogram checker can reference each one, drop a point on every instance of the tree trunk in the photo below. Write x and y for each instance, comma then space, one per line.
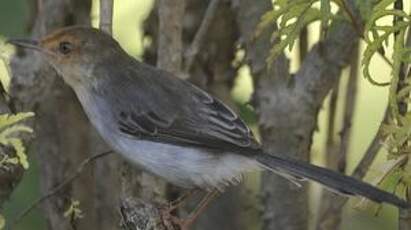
287, 107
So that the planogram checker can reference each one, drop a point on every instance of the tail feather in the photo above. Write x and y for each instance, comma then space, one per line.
334, 181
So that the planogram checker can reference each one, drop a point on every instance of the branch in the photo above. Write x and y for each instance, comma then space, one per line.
330, 143
331, 214
350, 99
171, 14
287, 108
60, 186
198, 41
137, 214
372, 150
359, 28
303, 44
326, 221
106, 16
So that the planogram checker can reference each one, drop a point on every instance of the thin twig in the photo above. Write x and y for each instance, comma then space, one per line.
303, 44
372, 150
360, 30
170, 43
199, 38
330, 217
330, 143
60, 186
106, 16
359, 172
351, 96
404, 220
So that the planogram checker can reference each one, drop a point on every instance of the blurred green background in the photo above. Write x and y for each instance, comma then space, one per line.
128, 18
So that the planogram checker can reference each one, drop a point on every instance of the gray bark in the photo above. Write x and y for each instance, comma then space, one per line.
331, 210
170, 45
287, 107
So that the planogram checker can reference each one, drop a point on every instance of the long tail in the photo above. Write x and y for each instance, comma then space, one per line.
334, 181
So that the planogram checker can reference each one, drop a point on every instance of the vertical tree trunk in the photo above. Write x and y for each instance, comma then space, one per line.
330, 216
283, 129
287, 107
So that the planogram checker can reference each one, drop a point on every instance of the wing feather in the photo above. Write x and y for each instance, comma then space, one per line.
158, 106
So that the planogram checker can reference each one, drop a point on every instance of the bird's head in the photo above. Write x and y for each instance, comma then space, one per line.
74, 51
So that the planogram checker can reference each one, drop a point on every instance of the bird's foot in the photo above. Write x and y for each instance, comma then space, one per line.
173, 222
170, 219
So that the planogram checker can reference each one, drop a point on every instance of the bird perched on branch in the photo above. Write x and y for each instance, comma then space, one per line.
166, 125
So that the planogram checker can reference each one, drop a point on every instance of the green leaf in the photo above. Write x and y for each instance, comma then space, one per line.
372, 48
272, 16
9, 131
7, 119
74, 212
325, 15
20, 152
290, 33
383, 4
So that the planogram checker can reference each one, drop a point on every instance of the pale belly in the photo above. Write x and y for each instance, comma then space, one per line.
185, 167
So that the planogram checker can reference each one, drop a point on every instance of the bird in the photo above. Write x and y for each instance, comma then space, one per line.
166, 125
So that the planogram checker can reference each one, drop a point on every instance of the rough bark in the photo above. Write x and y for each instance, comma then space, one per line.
139, 215
287, 107
331, 210
170, 45
106, 16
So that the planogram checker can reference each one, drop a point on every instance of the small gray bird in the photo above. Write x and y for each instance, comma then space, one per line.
166, 125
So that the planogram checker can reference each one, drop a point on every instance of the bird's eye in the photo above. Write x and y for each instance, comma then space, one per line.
65, 47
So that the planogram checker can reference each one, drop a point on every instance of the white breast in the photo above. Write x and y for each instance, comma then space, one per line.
183, 166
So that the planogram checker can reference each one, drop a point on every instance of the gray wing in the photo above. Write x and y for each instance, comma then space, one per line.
157, 106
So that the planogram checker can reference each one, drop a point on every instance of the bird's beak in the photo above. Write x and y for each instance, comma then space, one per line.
26, 43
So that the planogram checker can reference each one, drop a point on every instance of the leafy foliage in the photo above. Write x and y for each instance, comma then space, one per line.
376, 36
9, 131
74, 212
293, 17
398, 130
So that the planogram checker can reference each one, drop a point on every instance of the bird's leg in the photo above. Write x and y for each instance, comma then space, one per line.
181, 199
203, 204
186, 223
167, 212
